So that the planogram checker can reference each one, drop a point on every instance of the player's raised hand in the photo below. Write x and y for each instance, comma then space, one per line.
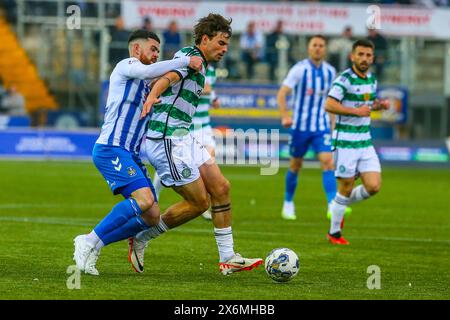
286, 121
196, 63
148, 105
363, 111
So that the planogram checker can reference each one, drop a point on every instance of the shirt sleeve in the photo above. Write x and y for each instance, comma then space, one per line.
183, 71
293, 77
135, 69
339, 88
333, 73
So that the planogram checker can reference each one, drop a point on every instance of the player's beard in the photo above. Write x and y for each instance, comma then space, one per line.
219, 57
146, 60
362, 69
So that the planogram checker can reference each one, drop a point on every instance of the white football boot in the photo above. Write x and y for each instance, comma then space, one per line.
238, 263
207, 215
136, 252
288, 212
82, 251
91, 261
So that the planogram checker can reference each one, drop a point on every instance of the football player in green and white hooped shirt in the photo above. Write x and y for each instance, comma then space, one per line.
180, 160
351, 99
201, 126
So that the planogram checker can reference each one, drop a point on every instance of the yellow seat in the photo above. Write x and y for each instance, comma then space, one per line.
17, 69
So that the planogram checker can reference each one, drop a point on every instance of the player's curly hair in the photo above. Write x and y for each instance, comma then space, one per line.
211, 25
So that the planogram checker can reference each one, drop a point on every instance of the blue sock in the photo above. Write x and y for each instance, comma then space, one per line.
291, 184
119, 215
129, 229
329, 184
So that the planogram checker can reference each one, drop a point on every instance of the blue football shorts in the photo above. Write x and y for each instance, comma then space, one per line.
300, 142
123, 171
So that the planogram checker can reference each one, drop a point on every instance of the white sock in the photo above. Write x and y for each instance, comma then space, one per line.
224, 240
358, 194
152, 232
92, 238
157, 184
337, 208
99, 245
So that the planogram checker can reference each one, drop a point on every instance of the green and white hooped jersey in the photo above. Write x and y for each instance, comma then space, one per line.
173, 115
352, 91
201, 117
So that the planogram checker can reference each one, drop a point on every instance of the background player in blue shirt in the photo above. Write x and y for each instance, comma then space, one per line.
309, 80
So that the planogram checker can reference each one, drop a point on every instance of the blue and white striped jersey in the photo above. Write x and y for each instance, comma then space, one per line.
310, 85
129, 86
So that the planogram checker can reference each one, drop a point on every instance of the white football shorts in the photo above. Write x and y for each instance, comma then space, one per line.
205, 136
176, 159
349, 162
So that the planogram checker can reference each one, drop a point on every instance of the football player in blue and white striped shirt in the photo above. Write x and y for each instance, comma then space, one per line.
116, 152
309, 80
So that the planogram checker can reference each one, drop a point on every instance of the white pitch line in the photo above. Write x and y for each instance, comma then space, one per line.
90, 222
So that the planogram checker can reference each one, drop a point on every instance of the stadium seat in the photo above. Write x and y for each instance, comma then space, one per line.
17, 69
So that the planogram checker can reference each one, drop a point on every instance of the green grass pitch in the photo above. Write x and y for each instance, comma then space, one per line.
404, 230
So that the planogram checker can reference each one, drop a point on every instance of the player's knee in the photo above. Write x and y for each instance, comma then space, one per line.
295, 167
373, 188
227, 186
145, 202
221, 188
224, 187
327, 165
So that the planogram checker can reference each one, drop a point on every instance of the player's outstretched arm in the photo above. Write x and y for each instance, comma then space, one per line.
286, 120
335, 107
138, 70
158, 88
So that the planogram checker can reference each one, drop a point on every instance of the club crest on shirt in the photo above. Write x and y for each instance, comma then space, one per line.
131, 171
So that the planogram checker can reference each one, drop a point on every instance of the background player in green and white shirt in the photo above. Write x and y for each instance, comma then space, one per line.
351, 98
